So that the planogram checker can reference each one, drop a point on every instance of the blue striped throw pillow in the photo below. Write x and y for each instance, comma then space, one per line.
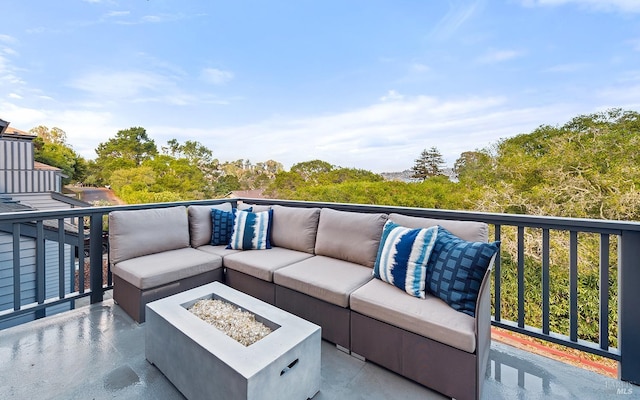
403, 255
251, 231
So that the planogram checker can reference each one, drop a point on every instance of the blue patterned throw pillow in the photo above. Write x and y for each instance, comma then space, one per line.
221, 226
403, 255
251, 231
456, 270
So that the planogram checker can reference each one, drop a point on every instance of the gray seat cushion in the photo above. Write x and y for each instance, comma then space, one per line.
324, 278
136, 233
295, 228
430, 317
262, 263
159, 269
200, 223
349, 236
468, 230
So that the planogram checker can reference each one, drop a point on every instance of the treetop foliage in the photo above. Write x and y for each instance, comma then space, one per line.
50, 147
429, 164
584, 168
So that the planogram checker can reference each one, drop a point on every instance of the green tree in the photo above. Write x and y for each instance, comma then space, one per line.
586, 168
133, 179
50, 148
128, 149
53, 135
226, 184
429, 164
308, 169
471, 166
131, 144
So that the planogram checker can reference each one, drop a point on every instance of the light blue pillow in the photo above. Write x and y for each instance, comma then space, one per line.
251, 231
403, 255
456, 270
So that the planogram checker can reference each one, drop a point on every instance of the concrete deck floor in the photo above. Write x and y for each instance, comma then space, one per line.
97, 352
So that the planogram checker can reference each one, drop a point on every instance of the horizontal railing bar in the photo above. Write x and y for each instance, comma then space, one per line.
31, 307
28, 216
534, 221
582, 345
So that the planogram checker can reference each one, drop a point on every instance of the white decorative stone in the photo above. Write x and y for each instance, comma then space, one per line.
204, 363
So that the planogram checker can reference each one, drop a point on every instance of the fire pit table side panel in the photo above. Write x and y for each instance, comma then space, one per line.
184, 362
298, 377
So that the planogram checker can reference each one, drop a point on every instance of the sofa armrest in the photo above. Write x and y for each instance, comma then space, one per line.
483, 304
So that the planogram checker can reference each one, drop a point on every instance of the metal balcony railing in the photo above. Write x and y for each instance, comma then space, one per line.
528, 242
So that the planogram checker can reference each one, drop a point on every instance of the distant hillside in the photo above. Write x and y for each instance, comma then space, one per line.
406, 175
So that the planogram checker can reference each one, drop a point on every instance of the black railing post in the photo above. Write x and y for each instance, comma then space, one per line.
628, 310
95, 258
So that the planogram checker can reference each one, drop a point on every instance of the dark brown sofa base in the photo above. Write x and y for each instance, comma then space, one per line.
443, 368
133, 299
263, 290
333, 319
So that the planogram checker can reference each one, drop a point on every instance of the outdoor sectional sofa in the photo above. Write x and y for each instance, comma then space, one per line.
319, 267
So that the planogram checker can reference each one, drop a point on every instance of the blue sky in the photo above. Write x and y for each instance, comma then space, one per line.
359, 83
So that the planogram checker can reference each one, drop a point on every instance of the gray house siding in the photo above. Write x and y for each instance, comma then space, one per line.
29, 181
17, 173
28, 275
16, 155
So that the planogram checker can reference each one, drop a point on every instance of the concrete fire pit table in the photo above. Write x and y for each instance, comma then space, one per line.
204, 363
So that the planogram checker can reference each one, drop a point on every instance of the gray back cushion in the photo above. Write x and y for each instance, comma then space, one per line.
295, 228
254, 207
349, 236
468, 230
138, 233
200, 223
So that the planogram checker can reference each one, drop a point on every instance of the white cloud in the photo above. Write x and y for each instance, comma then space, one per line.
159, 18
15, 96
85, 129
112, 14
626, 95
8, 73
632, 6
459, 12
8, 39
391, 95
562, 68
216, 76
496, 56
113, 85
419, 68
9, 51
36, 30
385, 136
